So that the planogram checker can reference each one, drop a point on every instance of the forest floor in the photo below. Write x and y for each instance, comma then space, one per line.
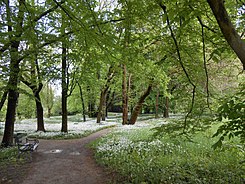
60, 162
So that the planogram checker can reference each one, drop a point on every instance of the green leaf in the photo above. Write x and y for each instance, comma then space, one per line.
218, 144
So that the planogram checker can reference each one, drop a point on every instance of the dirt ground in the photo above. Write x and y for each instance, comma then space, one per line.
60, 162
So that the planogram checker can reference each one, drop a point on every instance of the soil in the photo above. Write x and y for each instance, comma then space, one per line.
60, 162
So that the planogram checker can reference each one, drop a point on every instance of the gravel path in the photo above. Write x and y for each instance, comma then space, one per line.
66, 162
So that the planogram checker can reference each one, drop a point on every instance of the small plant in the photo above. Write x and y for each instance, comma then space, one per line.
8, 155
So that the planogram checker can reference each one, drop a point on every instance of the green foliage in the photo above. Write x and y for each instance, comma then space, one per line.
140, 159
26, 107
56, 110
232, 115
8, 155
2, 113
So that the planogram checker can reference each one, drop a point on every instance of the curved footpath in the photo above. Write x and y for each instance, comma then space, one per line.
66, 162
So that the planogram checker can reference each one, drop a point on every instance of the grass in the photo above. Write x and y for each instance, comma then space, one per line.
141, 158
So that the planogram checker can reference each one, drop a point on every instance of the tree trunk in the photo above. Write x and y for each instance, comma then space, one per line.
102, 105
12, 97
125, 96
64, 80
104, 113
102, 98
64, 127
166, 108
11, 112
157, 105
39, 109
138, 106
227, 28
82, 100
49, 112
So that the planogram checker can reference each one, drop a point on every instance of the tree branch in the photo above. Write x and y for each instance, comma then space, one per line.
181, 64
227, 28
6, 46
205, 63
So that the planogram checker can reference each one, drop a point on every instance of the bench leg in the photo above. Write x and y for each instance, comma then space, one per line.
19, 153
27, 155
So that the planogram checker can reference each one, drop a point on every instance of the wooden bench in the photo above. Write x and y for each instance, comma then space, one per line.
25, 145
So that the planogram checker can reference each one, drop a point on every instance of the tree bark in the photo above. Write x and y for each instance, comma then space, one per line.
104, 112
102, 105
138, 106
227, 28
82, 100
166, 108
100, 109
64, 81
39, 109
157, 105
64, 127
125, 96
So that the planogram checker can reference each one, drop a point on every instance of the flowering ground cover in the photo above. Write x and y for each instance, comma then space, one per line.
76, 127
140, 157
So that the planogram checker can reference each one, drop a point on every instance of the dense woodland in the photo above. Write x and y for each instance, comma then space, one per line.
127, 56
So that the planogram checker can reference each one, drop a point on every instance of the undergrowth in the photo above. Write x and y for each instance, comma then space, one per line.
139, 157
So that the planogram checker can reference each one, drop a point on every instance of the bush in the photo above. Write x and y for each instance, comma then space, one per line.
232, 115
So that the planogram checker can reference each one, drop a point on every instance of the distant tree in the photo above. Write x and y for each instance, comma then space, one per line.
138, 106
103, 94
48, 98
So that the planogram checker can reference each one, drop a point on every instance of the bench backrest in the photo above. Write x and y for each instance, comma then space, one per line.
20, 138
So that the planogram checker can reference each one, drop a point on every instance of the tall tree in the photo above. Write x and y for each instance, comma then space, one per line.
127, 27
14, 35
36, 86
